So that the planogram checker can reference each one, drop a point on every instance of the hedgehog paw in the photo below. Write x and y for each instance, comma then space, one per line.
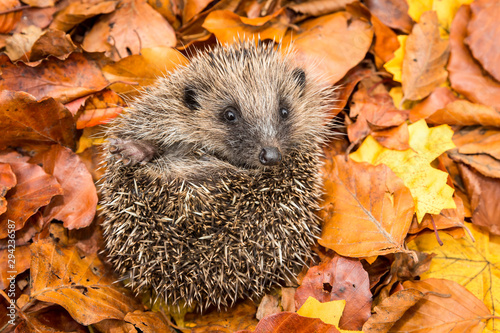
131, 152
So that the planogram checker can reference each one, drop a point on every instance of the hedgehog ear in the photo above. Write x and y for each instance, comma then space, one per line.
299, 76
190, 98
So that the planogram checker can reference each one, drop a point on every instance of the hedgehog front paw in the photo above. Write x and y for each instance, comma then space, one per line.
131, 152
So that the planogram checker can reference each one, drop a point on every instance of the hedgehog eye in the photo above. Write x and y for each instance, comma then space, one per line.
284, 113
230, 114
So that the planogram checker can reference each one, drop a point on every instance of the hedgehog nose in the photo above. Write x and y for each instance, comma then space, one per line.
270, 156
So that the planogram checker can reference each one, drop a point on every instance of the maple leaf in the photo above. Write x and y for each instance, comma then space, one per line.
427, 185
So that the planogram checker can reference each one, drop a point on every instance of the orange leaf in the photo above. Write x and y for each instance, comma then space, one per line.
313, 43
339, 278
78, 283
13, 261
7, 181
227, 26
77, 12
23, 119
367, 209
425, 56
392, 13
462, 112
34, 189
437, 100
127, 30
8, 21
77, 206
100, 109
466, 75
286, 322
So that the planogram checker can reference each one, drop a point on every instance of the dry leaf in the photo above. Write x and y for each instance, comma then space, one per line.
286, 322
448, 218
100, 109
392, 13
318, 7
437, 100
339, 278
79, 75
13, 261
484, 194
367, 209
466, 76
79, 11
7, 181
19, 44
23, 119
483, 30
34, 189
78, 283
425, 56
169, 9
268, 305
313, 43
193, 7
77, 206
9, 20
148, 322
130, 28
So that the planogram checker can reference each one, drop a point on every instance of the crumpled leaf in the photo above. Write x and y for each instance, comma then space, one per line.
128, 29
7, 181
448, 218
100, 109
367, 210
268, 305
392, 13
391, 309
483, 29
144, 69
425, 56
328, 312
77, 76
437, 100
225, 25
465, 74
79, 11
463, 113
147, 322
313, 43
428, 186
20, 43
34, 189
484, 193
472, 264
339, 278
79, 283
77, 206
23, 119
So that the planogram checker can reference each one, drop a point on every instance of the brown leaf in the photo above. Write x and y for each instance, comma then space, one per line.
466, 76
7, 181
77, 76
396, 138
484, 193
78, 283
129, 29
318, 7
483, 30
99, 109
52, 43
437, 100
169, 9
391, 309
339, 278
269, 305
77, 206
349, 82
19, 44
288, 299
463, 113
448, 218
425, 56
313, 43
286, 322
40, 17
239, 317
226, 25
49, 319
23, 119
13, 261
77, 12
148, 322
144, 69
9, 20
367, 210
40, 3
392, 13
192, 8
484, 163
447, 307
34, 189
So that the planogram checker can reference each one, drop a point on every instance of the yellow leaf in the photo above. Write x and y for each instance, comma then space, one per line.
395, 65
328, 312
472, 264
427, 185
417, 7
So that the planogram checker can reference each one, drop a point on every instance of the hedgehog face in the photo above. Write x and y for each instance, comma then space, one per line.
253, 107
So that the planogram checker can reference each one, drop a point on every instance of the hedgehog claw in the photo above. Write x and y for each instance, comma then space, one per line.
131, 152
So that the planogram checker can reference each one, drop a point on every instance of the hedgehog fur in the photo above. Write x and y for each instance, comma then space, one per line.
212, 179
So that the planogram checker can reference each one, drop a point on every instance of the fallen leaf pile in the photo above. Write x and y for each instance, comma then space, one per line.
411, 222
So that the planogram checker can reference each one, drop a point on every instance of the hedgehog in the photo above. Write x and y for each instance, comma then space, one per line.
212, 182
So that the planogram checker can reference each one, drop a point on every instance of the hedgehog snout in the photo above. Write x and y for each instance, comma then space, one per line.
270, 156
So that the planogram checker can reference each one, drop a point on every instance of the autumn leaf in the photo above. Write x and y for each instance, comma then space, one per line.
427, 185
472, 264
395, 65
77, 12
367, 209
314, 39
7, 181
79, 283
339, 278
285, 322
9, 20
13, 261
425, 56
392, 13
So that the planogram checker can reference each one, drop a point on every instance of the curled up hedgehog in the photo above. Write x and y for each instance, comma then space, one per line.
212, 179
